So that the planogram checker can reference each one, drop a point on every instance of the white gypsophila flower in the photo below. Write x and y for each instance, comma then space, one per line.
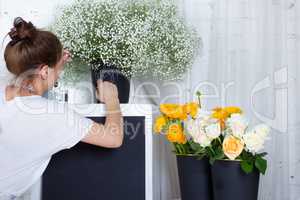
141, 37
262, 130
213, 130
237, 125
254, 142
196, 128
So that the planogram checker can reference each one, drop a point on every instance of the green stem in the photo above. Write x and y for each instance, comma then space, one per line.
181, 148
219, 139
175, 147
199, 101
186, 148
212, 150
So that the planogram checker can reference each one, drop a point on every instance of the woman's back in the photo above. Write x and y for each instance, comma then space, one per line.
32, 129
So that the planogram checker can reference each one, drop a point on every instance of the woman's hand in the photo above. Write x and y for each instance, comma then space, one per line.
67, 57
106, 92
110, 134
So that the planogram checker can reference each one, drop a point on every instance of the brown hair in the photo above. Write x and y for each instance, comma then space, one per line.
30, 47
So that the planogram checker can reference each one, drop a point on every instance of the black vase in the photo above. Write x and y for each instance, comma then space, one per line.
195, 178
111, 73
231, 183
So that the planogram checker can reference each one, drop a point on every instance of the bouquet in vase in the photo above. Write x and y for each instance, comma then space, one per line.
225, 134
219, 134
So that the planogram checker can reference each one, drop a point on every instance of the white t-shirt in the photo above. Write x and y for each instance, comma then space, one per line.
32, 129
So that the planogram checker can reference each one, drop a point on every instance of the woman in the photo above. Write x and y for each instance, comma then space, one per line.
33, 128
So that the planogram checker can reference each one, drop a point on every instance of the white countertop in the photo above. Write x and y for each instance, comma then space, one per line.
127, 109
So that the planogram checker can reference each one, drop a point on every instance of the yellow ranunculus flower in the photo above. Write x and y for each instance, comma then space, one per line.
223, 113
175, 134
232, 109
232, 147
192, 109
220, 114
160, 122
174, 111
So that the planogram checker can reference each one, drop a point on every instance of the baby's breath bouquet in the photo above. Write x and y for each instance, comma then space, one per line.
141, 38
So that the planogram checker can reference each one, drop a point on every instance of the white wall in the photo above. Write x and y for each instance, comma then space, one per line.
40, 12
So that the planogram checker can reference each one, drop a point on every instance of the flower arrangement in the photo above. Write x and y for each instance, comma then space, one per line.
171, 124
223, 133
140, 37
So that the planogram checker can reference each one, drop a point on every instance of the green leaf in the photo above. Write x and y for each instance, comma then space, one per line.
247, 166
197, 149
200, 157
200, 151
209, 153
261, 164
262, 154
212, 161
194, 145
219, 154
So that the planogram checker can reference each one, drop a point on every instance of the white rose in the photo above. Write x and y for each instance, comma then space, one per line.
254, 142
196, 131
213, 130
202, 139
262, 130
237, 124
203, 115
192, 126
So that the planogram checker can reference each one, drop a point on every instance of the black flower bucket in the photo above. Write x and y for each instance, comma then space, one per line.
231, 183
111, 73
195, 178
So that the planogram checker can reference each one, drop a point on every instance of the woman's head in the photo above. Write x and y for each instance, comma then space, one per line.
36, 51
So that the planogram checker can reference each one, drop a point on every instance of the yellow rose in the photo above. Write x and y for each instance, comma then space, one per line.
174, 111
232, 147
175, 134
160, 122
192, 109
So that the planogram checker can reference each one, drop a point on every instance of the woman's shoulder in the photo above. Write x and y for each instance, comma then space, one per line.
3, 86
6, 80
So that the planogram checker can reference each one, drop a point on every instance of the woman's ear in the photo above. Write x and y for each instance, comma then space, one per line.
43, 72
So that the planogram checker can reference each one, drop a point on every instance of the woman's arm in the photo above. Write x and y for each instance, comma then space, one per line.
110, 134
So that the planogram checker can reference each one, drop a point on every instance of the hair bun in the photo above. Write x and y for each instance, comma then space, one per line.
21, 30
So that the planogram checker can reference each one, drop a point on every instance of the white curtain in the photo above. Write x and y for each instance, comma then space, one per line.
249, 59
